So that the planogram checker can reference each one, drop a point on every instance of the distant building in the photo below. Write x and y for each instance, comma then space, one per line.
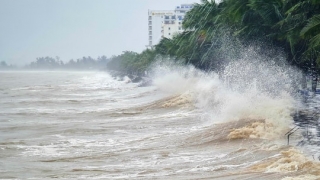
165, 23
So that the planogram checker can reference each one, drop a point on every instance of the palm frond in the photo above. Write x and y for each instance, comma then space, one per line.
315, 42
312, 27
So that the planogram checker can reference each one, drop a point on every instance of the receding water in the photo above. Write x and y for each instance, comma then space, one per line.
186, 125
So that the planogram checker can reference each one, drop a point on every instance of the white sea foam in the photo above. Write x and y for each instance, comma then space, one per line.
163, 131
246, 88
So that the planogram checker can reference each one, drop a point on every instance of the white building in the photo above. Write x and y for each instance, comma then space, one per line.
165, 23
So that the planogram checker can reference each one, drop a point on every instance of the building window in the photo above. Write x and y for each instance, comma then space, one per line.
150, 32
169, 34
150, 43
180, 17
179, 28
150, 17
166, 17
150, 37
173, 17
150, 27
169, 28
179, 22
150, 22
182, 11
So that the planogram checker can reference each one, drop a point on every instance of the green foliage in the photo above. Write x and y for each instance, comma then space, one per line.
132, 62
84, 63
3, 64
214, 33
293, 25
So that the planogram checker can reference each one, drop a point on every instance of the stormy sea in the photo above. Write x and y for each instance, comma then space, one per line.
183, 124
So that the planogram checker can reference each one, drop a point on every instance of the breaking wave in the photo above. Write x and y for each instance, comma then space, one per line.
259, 96
189, 124
254, 89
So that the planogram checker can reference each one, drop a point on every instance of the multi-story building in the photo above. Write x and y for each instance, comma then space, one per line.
165, 23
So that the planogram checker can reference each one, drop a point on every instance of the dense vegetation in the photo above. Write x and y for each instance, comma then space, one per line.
214, 33
50, 63
131, 62
84, 63
5, 66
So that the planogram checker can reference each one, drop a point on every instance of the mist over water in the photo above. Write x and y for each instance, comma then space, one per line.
241, 87
189, 124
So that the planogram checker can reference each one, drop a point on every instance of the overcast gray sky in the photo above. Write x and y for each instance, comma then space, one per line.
74, 28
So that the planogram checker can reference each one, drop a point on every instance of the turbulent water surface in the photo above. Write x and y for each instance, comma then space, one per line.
186, 125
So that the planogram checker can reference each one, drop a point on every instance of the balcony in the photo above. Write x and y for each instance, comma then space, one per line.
169, 22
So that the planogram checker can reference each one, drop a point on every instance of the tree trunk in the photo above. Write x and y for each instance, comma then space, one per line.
314, 82
314, 76
303, 82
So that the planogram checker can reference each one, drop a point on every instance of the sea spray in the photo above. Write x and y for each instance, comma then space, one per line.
248, 105
109, 130
251, 87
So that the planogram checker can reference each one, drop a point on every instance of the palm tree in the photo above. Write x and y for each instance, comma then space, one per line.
290, 24
311, 32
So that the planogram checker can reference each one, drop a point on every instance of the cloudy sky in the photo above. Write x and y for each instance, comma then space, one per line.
74, 28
